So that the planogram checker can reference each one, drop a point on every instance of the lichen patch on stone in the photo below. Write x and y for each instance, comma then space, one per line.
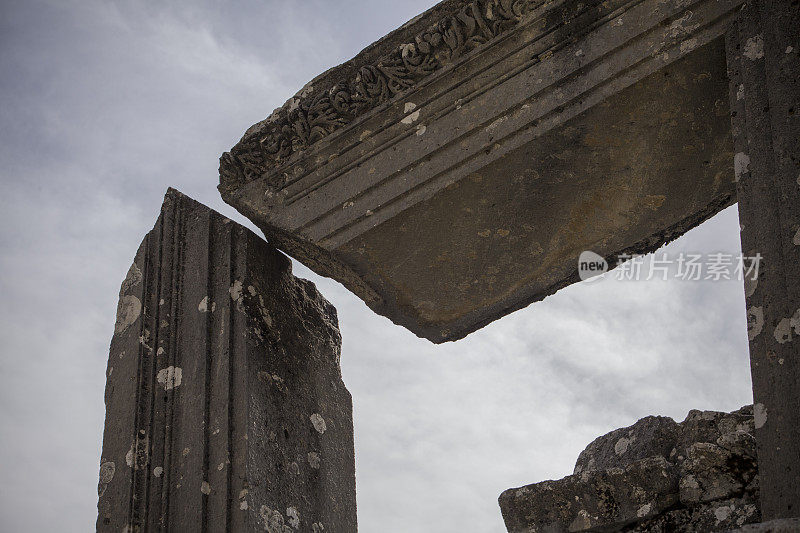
754, 48
759, 415
170, 377
128, 311
318, 422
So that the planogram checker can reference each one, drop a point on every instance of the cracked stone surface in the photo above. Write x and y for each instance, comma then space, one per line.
654, 476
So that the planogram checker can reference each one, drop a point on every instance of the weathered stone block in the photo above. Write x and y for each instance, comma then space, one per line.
650, 436
454, 171
713, 482
599, 500
716, 516
710, 472
225, 407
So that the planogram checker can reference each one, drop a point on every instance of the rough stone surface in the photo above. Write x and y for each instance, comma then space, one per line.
764, 72
600, 499
654, 476
780, 525
650, 436
225, 407
454, 171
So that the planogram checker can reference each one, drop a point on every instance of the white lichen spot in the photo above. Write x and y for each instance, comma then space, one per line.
158, 471
236, 291
318, 422
723, 512
170, 377
203, 305
243, 505
740, 92
410, 119
273, 520
129, 309
755, 322
107, 470
741, 165
582, 521
759, 415
205, 488
796, 238
789, 49
421, 129
579, 52
129, 457
644, 510
132, 278
621, 446
317, 527
220, 466
783, 333
314, 460
347, 205
754, 48
688, 45
410, 106
160, 351
294, 517
185, 452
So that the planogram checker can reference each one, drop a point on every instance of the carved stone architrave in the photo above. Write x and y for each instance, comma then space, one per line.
454, 171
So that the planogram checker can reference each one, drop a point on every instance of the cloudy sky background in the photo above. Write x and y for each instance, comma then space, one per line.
105, 104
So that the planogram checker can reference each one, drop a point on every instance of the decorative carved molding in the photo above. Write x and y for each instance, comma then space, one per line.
318, 112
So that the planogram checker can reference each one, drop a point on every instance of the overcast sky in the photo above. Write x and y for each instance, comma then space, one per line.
103, 105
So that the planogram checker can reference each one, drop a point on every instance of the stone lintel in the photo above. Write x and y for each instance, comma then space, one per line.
458, 176
225, 407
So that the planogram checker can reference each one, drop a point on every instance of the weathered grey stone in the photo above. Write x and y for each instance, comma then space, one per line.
650, 436
717, 516
711, 459
764, 71
781, 525
594, 500
454, 171
225, 407
710, 426
710, 472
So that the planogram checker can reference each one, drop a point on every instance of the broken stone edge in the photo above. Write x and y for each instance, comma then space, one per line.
325, 264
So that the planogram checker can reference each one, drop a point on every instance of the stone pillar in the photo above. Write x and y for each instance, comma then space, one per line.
225, 406
764, 70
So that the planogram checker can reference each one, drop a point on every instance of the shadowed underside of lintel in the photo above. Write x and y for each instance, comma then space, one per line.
454, 171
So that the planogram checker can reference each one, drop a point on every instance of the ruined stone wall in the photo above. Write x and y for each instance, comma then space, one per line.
654, 476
